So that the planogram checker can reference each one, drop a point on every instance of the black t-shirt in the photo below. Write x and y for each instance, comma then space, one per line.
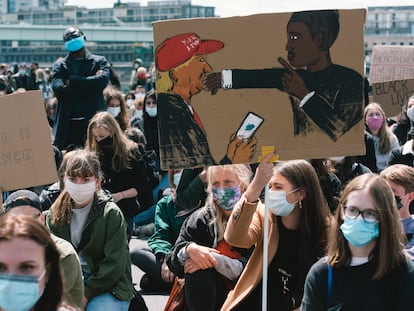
284, 288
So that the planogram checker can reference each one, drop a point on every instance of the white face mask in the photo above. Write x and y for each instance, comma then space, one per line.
152, 111
130, 103
114, 111
139, 95
80, 193
139, 113
410, 113
277, 203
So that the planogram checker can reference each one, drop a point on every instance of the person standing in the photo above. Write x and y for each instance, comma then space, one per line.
78, 83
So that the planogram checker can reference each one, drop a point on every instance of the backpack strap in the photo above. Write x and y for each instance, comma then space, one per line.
329, 284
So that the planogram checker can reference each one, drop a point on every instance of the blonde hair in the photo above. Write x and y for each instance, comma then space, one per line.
243, 174
385, 132
122, 147
76, 163
401, 174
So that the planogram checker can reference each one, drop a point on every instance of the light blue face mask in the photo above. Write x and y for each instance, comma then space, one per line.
359, 232
152, 111
277, 203
75, 44
19, 292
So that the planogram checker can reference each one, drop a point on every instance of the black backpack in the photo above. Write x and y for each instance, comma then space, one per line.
137, 303
152, 171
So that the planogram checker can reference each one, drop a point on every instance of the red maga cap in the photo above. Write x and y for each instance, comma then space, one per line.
178, 49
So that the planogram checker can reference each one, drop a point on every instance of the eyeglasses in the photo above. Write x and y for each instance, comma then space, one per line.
368, 215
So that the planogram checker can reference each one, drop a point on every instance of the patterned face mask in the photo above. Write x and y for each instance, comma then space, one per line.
226, 198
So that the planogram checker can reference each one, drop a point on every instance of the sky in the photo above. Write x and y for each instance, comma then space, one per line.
227, 8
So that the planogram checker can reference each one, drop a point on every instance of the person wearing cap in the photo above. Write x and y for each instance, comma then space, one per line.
181, 60
78, 83
26, 202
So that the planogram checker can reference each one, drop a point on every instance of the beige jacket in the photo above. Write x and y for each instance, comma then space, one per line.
249, 217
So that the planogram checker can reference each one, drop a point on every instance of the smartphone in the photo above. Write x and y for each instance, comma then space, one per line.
250, 125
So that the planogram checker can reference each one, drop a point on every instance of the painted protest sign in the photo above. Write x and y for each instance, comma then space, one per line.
264, 92
26, 155
393, 95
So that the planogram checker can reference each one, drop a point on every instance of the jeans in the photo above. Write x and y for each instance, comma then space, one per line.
107, 301
145, 217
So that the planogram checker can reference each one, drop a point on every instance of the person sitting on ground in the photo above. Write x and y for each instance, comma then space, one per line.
25, 202
209, 265
30, 276
400, 177
366, 267
151, 259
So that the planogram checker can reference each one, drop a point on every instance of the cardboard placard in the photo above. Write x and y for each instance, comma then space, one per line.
241, 123
391, 63
26, 154
392, 95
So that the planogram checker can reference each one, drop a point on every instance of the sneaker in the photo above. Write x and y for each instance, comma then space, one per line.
147, 284
144, 230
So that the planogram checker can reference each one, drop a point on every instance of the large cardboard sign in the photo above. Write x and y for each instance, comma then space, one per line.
26, 154
390, 63
272, 85
393, 95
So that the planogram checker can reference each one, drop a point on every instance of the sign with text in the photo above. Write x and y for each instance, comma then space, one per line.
26, 154
390, 63
393, 95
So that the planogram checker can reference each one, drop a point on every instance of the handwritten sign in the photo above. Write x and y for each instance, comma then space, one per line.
390, 63
393, 95
26, 154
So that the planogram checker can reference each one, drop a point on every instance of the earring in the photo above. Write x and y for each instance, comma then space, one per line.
300, 204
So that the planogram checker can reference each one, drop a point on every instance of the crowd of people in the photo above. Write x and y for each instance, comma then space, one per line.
340, 230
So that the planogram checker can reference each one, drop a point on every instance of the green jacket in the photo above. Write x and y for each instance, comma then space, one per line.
167, 226
105, 250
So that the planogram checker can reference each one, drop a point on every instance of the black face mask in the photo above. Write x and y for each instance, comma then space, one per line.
107, 141
399, 203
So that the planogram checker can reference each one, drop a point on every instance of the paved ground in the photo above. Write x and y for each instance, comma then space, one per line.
154, 301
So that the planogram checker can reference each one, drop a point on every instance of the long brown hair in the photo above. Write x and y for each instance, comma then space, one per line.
314, 217
123, 148
388, 251
76, 163
384, 133
26, 227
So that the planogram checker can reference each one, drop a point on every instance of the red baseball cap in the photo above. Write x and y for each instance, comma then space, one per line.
178, 49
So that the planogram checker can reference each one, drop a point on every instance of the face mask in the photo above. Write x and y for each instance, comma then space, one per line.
75, 44
359, 232
80, 193
277, 202
226, 198
19, 292
139, 95
107, 141
114, 111
410, 113
139, 113
374, 123
130, 103
176, 179
152, 112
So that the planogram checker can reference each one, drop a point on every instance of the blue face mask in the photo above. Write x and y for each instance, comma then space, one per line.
75, 44
277, 203
226, 198
359, 232
19, 292
152, 111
